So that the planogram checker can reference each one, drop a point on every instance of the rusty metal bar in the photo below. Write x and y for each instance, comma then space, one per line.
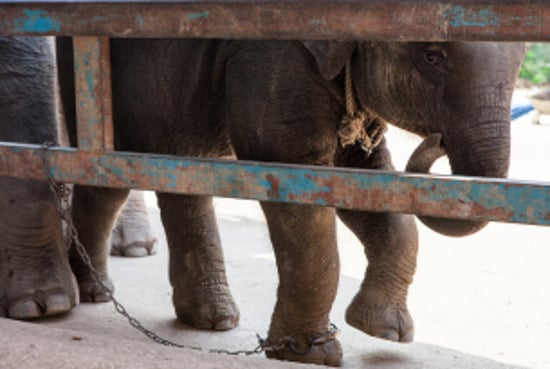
463, 198
471, 198
93, 93
403, 20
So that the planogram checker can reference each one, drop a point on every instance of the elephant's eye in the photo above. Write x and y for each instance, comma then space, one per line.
433, 58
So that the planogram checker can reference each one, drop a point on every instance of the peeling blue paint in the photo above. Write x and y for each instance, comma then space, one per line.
83, 142
99, 18
199, 15
458, 16
112, 169
173, 181
526, 21
36, 21
139, 20
164, 163
460, 197
90, 82
317, 22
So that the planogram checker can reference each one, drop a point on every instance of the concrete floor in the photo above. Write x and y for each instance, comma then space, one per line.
478, 302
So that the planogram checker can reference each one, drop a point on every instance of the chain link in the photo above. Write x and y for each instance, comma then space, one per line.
62, 193
293, 343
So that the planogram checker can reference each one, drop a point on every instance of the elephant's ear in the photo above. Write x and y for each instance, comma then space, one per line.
331, 56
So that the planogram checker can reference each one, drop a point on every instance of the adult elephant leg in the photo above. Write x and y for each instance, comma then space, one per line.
391, 243
197, 272
94, 212
35, 277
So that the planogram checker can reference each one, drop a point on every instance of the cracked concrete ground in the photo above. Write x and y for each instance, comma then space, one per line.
478, 302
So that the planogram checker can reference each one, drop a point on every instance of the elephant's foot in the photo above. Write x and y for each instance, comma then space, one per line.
34, 286
206, 306
92, 291
321, 349
134, 249
390, 321
132, 235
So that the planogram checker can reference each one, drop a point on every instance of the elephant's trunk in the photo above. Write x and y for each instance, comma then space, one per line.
483, 150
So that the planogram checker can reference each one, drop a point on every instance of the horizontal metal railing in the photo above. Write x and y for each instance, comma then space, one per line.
95, 163
438, 20
457, 197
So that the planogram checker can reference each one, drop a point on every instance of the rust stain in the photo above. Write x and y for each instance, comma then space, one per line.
273, 188
511, 20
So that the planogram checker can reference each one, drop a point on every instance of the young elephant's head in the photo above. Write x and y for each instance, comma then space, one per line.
458, 91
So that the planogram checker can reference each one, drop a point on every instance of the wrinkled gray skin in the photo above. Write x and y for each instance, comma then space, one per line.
283, 101
35, 276
132, 234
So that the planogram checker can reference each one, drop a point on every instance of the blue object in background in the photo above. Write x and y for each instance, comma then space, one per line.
520, 109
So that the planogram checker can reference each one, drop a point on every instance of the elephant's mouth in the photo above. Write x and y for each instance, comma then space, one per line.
422, 159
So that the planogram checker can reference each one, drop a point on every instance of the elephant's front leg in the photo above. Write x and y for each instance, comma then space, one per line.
35, 276
281, 109
391, 244
94, 213
304, 240
197, 272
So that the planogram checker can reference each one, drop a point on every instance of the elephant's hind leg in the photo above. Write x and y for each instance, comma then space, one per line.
197, 272
391, 243
94, 212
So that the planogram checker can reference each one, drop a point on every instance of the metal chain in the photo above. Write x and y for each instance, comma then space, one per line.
62, 193
292, 342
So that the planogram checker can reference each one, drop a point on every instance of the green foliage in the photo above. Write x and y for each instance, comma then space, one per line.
536, 64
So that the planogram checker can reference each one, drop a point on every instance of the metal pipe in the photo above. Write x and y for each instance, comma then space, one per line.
444, 196
401, 20
93, 93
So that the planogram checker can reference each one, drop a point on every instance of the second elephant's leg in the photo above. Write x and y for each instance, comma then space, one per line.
197, 272
391, 243
94, 212
35, 276
132, 234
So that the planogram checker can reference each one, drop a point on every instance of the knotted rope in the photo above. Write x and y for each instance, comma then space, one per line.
353, 128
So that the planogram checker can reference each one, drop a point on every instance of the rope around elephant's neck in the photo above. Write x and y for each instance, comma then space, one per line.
352, 129
351, 107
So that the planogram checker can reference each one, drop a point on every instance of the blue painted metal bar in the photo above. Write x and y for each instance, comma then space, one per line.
464, 198
93, 93
446, 196
400, 20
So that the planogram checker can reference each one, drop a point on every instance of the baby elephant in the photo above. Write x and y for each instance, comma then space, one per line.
306, 102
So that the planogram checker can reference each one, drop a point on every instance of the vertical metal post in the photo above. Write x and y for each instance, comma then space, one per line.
93, 93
